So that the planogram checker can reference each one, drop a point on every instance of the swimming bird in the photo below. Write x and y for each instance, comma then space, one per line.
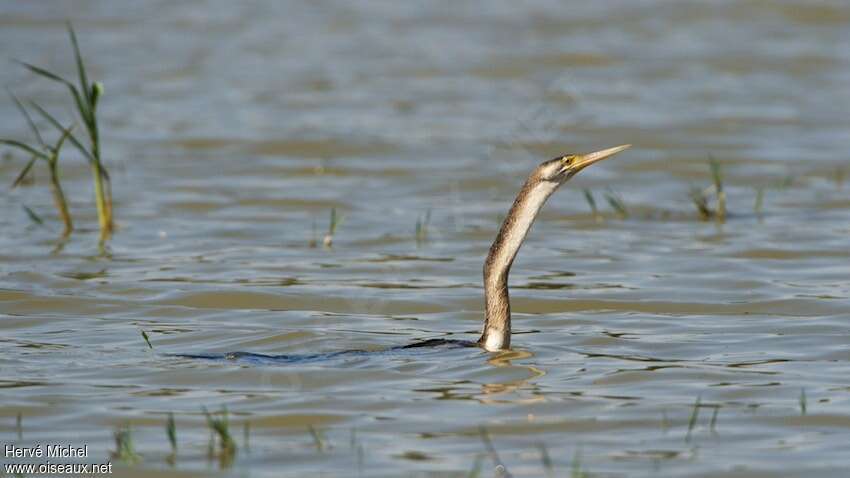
496, 333
542, 183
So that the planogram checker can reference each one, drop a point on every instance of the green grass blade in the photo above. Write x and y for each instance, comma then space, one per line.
33, 216
42, 72
617, 204
81, 69
27, 116
147, 339
716, 173
317, 439
334, 222
58, 146
29, 149
77, 144
588, 196
81, 106
759, 202
171, 432
694, 416
24, 172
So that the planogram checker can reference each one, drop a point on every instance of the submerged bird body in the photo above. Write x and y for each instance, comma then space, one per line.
496, 332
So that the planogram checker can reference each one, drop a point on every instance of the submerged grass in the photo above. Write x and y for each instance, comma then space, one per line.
124, 448
335, 221
86, 96
49, 153
422, 228
219, 424
758, 204
501, 469
694, 417
147, 339
617, 204
171, 433
33, 216
700, 197
713, 424
700, 200
803, 400
19, 425
576, 471
591, 201
717, 179
475, 472
318, 441
546, 460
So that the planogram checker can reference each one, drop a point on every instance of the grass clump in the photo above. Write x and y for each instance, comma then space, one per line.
86, 96
124, 448
576, 471
717, 179
49, 153
219, 426
701, 197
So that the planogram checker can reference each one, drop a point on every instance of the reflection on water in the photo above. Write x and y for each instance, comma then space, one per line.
649, 342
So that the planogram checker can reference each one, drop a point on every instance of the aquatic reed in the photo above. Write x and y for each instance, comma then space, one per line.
617, 204
422, 227
501, 469
246, 435
124, 448
50, 155
700, 200
717, 178
313, 242
694, 416
576, 471
803, 400
591, 201
475, 472
171, 432
147, 339
86, 96
19, 426
318, 441
759, 201
33, 216
334, 223
700, 197
713, 423
547, 460
219, 425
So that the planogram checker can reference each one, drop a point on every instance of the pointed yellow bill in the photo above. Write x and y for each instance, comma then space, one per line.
584, 160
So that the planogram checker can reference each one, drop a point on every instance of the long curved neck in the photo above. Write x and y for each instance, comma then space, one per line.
496, 334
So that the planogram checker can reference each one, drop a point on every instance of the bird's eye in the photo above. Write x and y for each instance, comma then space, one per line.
568, 160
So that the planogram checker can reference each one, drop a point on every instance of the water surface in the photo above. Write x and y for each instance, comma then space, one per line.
232, 129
